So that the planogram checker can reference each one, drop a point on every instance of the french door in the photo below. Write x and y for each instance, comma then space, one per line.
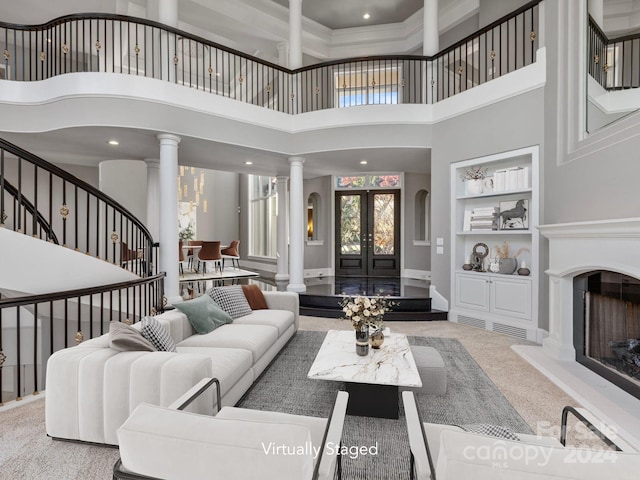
368, 233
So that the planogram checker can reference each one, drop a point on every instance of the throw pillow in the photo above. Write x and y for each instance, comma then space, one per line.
124, 338
157, 335
491, 430
204, 314
255, 297
231, 300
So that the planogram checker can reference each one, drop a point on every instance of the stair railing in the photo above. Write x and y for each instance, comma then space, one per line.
76, 214
33, 327
99, 42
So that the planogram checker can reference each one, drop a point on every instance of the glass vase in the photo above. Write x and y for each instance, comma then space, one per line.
362, 340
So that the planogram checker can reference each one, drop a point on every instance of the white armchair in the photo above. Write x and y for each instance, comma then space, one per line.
447, 452
170, 443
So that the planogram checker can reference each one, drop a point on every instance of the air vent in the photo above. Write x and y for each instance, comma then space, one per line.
510, 330
473, 322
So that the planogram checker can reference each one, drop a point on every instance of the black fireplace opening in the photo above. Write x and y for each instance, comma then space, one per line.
606, 326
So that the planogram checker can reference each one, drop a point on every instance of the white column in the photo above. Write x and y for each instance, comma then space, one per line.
283, 244
297, 207
168, 15
295, 34
169, 214
431, 33
153, 197
596, 10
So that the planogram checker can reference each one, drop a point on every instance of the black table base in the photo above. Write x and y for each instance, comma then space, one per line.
367, 400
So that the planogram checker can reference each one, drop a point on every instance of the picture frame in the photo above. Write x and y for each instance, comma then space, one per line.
514, 215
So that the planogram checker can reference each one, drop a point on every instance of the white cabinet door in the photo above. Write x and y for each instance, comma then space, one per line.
472, 291
511, 297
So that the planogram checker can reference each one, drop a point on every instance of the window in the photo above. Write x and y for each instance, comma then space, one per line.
422, 212
367, 86
263, 213
313, 212
360, 182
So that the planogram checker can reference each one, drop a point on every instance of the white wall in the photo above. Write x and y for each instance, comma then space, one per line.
126, 182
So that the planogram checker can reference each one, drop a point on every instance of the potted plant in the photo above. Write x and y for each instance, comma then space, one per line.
506, 262
473, 178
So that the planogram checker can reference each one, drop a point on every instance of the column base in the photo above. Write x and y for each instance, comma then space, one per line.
297, 287
281, 277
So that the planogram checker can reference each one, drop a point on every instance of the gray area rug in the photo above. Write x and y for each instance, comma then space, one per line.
471, 398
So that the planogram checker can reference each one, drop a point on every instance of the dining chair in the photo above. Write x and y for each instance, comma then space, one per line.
232, 252
192, 256
181, 258
210, 252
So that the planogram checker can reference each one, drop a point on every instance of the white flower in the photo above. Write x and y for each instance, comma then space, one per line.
366, 313
356, 318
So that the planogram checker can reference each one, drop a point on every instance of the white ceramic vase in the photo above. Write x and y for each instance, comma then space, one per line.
474, 187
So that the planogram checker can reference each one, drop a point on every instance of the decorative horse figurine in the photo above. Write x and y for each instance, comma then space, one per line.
509, 217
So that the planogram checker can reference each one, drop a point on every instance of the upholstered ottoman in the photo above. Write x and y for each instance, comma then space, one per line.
433, 372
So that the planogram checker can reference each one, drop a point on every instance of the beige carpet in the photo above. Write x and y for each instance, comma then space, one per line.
27, 453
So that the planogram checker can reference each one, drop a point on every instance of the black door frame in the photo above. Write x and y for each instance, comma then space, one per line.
367, 263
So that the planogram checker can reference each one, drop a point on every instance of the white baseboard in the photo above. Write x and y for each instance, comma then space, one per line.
417, 274
266, 267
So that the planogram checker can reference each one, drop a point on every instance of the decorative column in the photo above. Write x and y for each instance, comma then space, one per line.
431, 29
168, 15
169, 215
283, 244
295, 34
153, 197
296, 229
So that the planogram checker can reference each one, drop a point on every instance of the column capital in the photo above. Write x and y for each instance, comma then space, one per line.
281, 178
296, 161
168, 139
152, 162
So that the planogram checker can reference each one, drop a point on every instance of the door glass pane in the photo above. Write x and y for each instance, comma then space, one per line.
383, 232
350, 224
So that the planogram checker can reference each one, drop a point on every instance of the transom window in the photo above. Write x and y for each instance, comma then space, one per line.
368, 181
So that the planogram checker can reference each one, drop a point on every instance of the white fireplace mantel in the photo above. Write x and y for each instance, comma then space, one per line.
576, 248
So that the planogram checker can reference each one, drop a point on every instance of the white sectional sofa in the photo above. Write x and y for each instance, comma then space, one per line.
91, 389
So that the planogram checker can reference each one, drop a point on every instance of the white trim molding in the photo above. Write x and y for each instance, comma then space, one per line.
417, 274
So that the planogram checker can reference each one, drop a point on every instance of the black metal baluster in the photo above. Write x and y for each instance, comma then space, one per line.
35, 349
18, 370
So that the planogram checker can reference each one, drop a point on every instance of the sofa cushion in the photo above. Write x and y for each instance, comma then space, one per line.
227, 364
204, 314
254, 297
157, 335
231, 299
255, 338
173, 444
281, 319
125, 338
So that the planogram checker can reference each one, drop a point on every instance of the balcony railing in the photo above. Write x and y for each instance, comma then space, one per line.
134, 46
613, 63
35, 326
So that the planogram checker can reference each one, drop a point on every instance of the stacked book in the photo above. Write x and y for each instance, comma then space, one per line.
516, 178
485, 218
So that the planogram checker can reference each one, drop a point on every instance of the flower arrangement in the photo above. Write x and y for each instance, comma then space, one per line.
504, 251
363, 310
474, 173
187, 233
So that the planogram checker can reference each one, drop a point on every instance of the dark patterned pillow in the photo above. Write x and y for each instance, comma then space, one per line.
157, 335
491, 430
232, 300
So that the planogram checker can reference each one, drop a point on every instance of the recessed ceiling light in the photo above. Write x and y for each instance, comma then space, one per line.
113, 142
363, 162
248, 162
366, 16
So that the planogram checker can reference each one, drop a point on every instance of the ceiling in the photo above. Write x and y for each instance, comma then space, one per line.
88, 146
336, 14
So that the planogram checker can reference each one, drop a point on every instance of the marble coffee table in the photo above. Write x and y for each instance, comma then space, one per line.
373, 380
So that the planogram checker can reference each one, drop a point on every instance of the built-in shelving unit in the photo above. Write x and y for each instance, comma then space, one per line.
501, 302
